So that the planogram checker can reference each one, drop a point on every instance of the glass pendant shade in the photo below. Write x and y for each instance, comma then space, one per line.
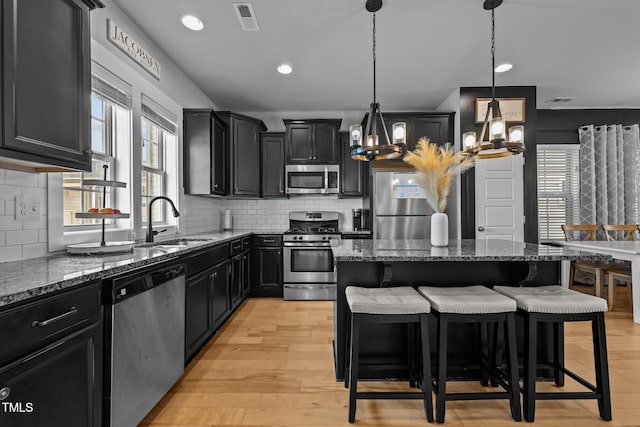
468, 140
516, 134
399, 133
497, 130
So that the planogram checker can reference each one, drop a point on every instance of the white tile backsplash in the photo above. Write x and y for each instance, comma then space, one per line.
22, 239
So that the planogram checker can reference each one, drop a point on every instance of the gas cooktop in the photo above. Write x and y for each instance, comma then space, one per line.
312, 230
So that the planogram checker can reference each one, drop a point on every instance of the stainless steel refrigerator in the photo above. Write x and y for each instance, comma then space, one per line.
398, 206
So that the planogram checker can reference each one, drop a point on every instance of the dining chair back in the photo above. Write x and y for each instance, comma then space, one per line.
629, 231
589, 230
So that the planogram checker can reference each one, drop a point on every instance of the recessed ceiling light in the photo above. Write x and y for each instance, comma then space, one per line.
192, 22
503, 67
285, 69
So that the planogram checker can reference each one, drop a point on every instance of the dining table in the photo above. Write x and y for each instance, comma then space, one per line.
627, 250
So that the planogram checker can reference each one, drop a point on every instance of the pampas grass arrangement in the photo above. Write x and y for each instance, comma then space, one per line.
436, 166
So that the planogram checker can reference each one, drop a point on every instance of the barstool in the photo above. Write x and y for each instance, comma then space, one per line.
387, 305
558, 305
474, 304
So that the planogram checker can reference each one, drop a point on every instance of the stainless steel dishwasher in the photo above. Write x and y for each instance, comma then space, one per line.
144, 340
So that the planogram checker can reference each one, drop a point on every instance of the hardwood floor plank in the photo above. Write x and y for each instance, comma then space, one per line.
272, 365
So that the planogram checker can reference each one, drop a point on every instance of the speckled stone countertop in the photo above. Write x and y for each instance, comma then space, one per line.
21, 280
360, 250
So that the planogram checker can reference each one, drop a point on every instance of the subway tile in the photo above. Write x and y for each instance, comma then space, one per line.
23, 179
9, 192
21, 237
10, 253
35, 250
1, 176
8, 222
43, 236
2, 234
43, 180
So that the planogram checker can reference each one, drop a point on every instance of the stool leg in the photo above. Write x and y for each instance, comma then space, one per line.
353, 372
426, 367
485, 358
602, 366
347, 349
498, 348
512, 367
411, 353
442, 368
558, 353
530, 337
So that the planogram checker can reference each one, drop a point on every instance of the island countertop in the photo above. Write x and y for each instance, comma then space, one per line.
420, 250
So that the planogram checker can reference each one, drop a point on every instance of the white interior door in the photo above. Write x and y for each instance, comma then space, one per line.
500, 198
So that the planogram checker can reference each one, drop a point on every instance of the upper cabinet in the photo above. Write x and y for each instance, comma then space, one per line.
438, 127
272, 163
353, 173
312, 141
243, 140
46, 85
204, 150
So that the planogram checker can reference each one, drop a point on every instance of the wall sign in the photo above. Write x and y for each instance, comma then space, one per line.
132, 48
512, 109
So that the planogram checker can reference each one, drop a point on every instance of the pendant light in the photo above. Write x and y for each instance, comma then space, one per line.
375, 146
494, 122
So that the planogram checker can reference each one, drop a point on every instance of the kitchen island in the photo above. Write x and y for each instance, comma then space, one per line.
373, 263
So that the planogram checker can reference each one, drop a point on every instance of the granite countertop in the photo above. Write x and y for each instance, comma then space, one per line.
21, 280
457, 250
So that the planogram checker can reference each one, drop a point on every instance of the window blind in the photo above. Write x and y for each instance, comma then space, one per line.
110, 87
558, 188
159, 115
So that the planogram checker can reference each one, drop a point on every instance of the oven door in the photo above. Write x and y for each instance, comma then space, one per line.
308, 263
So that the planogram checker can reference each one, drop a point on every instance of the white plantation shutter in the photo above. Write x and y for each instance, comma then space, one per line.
558, 188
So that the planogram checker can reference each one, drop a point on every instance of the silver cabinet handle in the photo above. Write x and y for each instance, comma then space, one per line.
38, 323
4, 392
269, 240
480, 228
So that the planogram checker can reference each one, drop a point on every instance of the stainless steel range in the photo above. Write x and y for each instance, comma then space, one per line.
309, 272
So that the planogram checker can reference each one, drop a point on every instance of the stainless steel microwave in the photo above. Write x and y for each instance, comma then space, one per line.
313, 179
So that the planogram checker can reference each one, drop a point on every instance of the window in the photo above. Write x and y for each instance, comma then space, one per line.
158, 139
558, 189
110, 109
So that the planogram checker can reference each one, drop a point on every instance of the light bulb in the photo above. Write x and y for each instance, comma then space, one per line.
398, 133
497, 127
469, 140
355, 134
516, 135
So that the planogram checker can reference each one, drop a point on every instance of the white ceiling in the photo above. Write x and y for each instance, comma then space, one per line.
587, 49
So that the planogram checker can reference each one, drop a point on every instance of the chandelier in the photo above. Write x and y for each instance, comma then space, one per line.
494, 122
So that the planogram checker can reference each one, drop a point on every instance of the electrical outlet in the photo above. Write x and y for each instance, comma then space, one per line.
27, 209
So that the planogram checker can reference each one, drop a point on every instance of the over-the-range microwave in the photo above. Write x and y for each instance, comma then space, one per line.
312, 179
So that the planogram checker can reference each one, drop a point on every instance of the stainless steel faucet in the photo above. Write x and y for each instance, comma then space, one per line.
150, 232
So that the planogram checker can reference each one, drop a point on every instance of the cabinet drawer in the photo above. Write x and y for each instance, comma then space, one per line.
207, 258
236, 247
33, 325
246, 243
269, 240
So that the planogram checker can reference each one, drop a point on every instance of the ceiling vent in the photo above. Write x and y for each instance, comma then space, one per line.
561, 99
246, 16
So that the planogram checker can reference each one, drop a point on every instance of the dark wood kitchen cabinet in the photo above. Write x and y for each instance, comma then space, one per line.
438, 127
205, 149
243, 140
312, 141
353, 173
220, 281
268, 266
198, 311
51, 360
272, 164
46, 85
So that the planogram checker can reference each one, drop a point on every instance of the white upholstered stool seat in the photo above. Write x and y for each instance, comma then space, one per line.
389, 301
467, 300
553, 300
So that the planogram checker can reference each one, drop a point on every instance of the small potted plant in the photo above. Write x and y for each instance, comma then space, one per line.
436, 165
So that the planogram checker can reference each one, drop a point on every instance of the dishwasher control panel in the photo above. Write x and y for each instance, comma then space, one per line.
120, 288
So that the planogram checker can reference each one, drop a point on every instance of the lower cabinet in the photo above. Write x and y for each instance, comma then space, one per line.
220, 295
51, 361
198, 314
268, 272
236, 280
246, 274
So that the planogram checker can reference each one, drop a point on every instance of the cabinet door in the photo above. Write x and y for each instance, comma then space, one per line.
198, 313
325, 143
298, 143
236, 280
352, 172
220, 295
59, 385
437, 128
272, 165
269, 272
246, 273
46, 80
197, 153
246, 146
218, 162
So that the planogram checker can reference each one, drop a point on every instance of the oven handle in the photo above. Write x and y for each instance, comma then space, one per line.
308, 245
326, 180
297, 286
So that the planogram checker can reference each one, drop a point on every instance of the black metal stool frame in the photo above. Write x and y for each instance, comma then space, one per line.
601, 391
511, 386
356, 320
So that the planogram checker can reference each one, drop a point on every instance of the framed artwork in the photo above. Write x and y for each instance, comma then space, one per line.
512, 109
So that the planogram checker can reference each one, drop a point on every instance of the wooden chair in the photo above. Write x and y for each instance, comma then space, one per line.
595, 268
623, 274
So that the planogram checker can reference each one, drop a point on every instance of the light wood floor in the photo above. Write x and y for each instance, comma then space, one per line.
272, 365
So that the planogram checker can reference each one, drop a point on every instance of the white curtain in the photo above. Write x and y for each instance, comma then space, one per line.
609, 174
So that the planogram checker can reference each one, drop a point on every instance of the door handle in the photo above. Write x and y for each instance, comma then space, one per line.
480, 228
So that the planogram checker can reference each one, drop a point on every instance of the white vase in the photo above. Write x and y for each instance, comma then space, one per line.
439, 229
